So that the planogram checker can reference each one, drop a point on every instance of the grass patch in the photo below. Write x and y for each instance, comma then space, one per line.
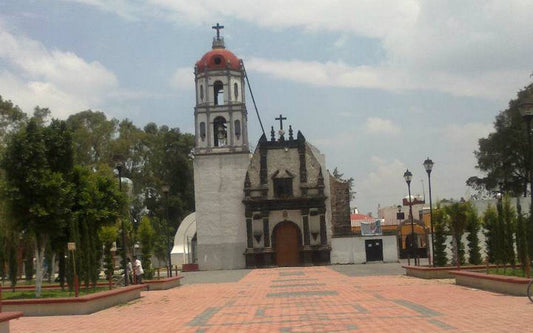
507, 272
47, 293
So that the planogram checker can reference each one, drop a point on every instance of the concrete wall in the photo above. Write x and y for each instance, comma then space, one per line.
351, 250
220, 223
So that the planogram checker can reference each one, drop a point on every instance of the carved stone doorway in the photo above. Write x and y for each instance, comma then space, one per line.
287, 243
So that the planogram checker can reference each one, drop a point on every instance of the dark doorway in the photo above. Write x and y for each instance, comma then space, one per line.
287, 244
374, 249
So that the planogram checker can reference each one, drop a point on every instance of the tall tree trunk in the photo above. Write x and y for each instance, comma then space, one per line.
52, 268
40, 247
455, 244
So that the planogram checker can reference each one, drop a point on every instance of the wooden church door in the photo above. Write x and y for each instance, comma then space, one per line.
287, 244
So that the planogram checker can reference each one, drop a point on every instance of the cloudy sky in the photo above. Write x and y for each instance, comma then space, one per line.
377, 86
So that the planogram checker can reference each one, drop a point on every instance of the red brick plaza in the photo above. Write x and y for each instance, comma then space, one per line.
304, 299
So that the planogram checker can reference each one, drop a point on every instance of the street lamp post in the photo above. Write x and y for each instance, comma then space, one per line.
400, 216
428, 165
526, 111
119, 168
165, 188
408, 176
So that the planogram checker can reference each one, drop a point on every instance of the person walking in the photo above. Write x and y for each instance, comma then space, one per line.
138, 268
130, 271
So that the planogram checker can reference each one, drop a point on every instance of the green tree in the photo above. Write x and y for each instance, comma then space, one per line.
11, 119
38, 197
473, 227
439, 223
457, 218
490, 225
509, 225
147, 236
521, 237
92, 135
160, 243
97, 203
108, 234
505, 154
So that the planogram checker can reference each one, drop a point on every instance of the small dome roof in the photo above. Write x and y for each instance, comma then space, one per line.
218, 58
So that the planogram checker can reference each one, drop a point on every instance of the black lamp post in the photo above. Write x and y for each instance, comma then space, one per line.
400, 216
501, 241
428, 165
408, 176
165, 188
526, 111
119, 167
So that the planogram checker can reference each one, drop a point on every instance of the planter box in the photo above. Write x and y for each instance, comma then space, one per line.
49, 286
189, 267
76, 305
5, 317
509, 285
163, 284
425, 272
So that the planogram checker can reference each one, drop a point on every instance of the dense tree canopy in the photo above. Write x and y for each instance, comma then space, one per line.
59, 186
503, 155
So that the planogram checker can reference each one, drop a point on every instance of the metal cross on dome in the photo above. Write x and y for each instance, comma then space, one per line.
218, 27
281, 119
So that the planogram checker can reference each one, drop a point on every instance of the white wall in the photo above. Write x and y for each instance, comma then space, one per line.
351, 250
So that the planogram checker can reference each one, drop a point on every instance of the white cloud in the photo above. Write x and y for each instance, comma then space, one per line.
383, 184
182, 78
465, 137
490, 84
28, 94
381, 126
461, 48
341, 42
59, 80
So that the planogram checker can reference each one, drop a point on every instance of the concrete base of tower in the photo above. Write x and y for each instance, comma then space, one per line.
221, 256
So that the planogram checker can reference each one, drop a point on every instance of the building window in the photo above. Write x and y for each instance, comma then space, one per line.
283, 187
202, 131
202, 93
236, 90
221, 134
218, 89
237, 129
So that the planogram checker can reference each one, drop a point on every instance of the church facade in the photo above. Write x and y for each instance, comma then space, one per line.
269, 208
286, 203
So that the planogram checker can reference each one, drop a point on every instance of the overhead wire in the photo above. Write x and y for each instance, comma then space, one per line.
253, 99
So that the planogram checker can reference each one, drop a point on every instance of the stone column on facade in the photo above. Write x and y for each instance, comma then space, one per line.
266, 238
324, 248
249, 233
307, 251
249, 253
323, 233
231, 128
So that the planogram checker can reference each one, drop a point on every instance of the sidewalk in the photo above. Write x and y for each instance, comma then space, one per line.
303, 299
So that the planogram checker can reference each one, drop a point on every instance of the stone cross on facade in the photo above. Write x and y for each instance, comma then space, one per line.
218, 27
281, 119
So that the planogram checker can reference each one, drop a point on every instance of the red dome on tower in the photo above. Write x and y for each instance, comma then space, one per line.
218, 58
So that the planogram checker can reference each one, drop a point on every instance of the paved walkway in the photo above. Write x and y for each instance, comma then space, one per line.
303, 299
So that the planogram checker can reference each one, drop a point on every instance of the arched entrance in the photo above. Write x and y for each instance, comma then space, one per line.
287, 242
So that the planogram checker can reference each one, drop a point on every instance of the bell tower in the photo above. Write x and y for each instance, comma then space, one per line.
220, 113
221, 158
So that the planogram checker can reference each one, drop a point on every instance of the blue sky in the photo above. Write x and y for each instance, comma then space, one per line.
377, 86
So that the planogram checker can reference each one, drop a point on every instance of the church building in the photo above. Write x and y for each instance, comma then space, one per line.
269, 208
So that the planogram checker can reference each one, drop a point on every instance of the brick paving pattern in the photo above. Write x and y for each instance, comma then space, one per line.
304, 299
